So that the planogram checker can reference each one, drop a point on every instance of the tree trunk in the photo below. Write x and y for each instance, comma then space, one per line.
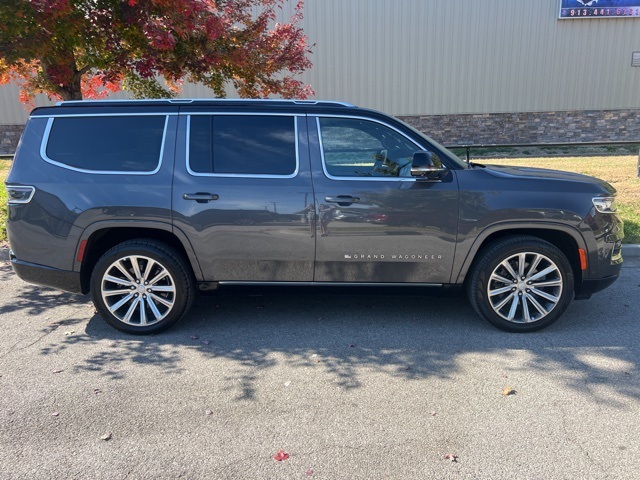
73, 90
64, 77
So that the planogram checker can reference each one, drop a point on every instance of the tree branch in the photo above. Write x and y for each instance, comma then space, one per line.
84, 70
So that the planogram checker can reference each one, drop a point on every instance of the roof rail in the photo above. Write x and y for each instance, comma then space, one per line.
210, 100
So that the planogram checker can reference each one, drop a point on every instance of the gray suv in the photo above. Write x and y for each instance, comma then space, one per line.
142, 203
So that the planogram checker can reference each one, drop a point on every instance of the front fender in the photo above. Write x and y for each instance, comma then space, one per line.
465, 256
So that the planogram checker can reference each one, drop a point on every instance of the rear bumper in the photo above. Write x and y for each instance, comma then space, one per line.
47, 276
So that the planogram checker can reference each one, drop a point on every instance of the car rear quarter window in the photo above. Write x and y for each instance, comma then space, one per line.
128, 144
242, 145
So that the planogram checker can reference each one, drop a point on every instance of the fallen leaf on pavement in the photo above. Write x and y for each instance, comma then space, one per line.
208, 412
434, 413
452, 457
281, 455
106, 437
508, 391
55, 414
59, 371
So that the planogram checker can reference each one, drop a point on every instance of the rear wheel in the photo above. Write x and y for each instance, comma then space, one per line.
521, 284
142, 287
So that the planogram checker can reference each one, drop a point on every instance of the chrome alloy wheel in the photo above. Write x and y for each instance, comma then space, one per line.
525, 287
138, 290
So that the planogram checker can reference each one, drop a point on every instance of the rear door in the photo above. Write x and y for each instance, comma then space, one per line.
242, 194
376, 222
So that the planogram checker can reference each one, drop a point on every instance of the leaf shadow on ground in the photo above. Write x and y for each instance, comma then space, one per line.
34, 299
344, 336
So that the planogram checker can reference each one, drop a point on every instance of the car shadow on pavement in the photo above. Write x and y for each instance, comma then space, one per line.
32, 299
345, 337
35, 300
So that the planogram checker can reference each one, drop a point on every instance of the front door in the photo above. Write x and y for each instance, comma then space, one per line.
377, 223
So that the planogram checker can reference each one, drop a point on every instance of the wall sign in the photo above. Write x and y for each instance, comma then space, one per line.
599, 8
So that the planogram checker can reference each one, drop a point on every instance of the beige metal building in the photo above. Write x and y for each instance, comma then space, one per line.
494, 68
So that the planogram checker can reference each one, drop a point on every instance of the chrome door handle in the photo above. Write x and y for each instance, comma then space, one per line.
342, 200
200, 197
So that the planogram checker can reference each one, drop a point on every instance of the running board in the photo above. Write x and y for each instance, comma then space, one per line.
208, 286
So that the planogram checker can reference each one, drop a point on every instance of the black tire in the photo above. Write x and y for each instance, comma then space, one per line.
533, 299
126, 302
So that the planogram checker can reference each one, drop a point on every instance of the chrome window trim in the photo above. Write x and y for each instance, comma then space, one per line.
45, 141
254, 114
146, 114
24, 200
242, 175
366, 179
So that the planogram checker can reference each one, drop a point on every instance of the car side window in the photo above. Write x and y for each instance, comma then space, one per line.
107, 144
354, 147
242, 144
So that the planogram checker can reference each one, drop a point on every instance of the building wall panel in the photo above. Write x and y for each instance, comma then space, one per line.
437, 57
443, 57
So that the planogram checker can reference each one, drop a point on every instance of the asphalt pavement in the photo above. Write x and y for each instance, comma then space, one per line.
350, 384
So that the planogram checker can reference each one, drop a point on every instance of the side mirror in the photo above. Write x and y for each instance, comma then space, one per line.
422, 165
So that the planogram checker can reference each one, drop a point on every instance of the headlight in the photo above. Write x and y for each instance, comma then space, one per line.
605, 204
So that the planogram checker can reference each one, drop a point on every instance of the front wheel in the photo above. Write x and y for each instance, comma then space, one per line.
521, 284
142, 287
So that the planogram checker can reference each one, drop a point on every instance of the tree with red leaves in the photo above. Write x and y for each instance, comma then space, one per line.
70, 49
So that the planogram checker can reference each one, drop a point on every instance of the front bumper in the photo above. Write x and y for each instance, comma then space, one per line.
591, 286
